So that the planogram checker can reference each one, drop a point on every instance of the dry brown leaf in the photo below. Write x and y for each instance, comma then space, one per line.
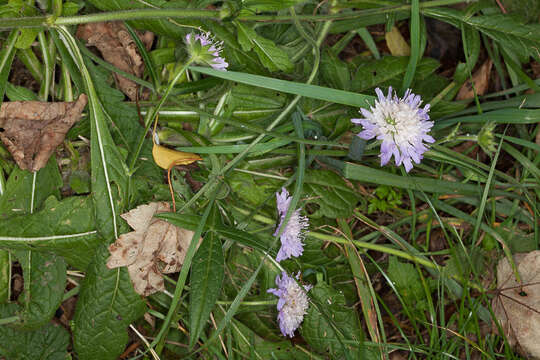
396, 43
155, 247
481, 82
517, 305
31, 130
118, 48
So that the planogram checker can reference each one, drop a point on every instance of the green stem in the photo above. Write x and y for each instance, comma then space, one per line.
9, 320
49, 20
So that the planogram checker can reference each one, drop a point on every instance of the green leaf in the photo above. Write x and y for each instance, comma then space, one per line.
271, 56
26, 191
289, 87
521, 39
330, 327
107, 165
6, 59
335, 71
44, 284
49, 342
66, 228
247, 189
5, 276
207, 272
269, 5
408, 284
331, 193
107, 305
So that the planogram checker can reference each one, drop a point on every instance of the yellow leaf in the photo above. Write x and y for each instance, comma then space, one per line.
396, 43
166, 158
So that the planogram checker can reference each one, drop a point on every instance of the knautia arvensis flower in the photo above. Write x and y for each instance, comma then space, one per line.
400, 124
292, 304
294, 233
204, 49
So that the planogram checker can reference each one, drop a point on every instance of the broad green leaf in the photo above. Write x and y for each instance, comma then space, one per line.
247, 189
289, 87
106, 306
49, 342
408, 284
335, 71
528, 10
207, 272
521, 39
269, 5
19, 93
44, 283
330, 327
330, 192
271, 56
66, 228
108, 169
26, 191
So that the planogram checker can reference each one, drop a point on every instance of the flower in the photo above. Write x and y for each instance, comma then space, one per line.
401, 125
294, 233
292, 304
204, 49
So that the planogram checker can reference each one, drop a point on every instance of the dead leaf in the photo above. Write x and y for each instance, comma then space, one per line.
118, 48
31, 130
480, 79
517, 306
155, 247
396, 43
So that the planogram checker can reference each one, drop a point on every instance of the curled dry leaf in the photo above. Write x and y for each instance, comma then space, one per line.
118, 48
31, 130
481, 82
155, 247
517, 305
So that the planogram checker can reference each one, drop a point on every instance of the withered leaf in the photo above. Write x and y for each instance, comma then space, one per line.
480, 79
155, 247
517, 305
31, 130
118, 48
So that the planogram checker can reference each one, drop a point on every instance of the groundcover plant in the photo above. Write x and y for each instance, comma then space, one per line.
269, 179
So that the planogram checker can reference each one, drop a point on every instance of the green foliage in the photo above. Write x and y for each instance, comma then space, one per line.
330, 327
384, 199
49, 342
107, 304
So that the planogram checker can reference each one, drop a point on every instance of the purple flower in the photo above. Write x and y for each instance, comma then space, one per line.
203, 49
401, 125
295, 230
292, 304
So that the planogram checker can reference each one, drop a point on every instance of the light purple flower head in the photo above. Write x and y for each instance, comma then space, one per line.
292, 304
204, 49
295, 230
401, 125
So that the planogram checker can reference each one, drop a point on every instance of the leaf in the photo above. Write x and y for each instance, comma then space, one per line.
247, 189
167, 158
106, 306
207, 273
269, 5
155, 247
49, 342
335, 71
330, 327
22, 185
31, 130
5, 276
66, 228
118, 48
44, 284
517, 303
396, 43
330, 192
519, 38
480, 80
408, 284
272, 57
7, 54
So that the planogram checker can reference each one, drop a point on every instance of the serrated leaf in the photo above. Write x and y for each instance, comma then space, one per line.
107, 305
330, 327
207, 272
49, 342
331, 193
44, 283
272, 57
66, 228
